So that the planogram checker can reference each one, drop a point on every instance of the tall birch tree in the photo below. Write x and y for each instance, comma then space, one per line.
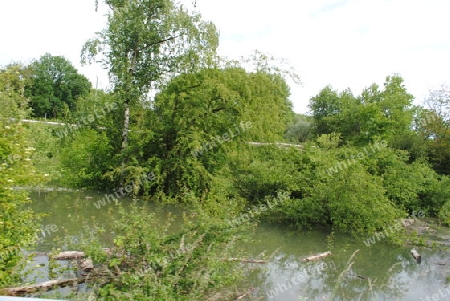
147, 42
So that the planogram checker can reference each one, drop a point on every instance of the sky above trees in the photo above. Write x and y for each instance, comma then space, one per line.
345, 43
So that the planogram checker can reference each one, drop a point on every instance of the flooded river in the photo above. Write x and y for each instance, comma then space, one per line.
378, 271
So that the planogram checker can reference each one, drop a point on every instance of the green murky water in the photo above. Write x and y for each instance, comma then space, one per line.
377, 272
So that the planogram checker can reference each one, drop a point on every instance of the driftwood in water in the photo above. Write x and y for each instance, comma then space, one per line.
85, 264
416, 255
102, 273
42, 287
68, 255
318, 256
247, 260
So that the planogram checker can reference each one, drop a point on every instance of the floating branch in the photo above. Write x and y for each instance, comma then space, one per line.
316, 257
42, 287
68, 255
416, 256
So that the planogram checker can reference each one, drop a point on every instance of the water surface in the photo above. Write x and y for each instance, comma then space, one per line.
377, 272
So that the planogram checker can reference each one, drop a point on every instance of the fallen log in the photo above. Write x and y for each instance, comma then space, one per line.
416, 256
42, 287
318, 256
247, 260
68, 255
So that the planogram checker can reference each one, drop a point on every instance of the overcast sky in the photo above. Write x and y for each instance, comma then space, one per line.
344, 43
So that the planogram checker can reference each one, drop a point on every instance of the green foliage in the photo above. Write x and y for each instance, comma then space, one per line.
329, 141
263, 171
46, 157
206, 115
435, 194
95, 110
54, 86
325, 107
181, 138
159, 264
406, 182
414, 144
85, 159
145, 40
410, 186
444, 214
89, 141
357, 190
12, 86
357, 202
146, 43
433, 125
300, 129
375, 114
17, 223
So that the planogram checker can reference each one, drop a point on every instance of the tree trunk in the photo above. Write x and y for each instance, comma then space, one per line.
126, 125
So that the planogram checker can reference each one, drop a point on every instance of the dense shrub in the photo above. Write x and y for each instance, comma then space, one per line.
162, 264
85, 159
17, 222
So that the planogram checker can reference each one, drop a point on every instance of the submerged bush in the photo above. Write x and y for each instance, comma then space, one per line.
152, 261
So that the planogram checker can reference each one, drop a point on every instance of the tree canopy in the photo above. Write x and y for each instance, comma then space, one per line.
146, 42
206, 115
376, 114
54, 86
434, 128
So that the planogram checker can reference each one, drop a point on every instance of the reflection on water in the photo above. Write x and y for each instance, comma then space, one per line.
73, 210
377, 272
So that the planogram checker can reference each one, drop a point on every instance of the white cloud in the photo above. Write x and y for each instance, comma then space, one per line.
345, 43
31, 28
342, 43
